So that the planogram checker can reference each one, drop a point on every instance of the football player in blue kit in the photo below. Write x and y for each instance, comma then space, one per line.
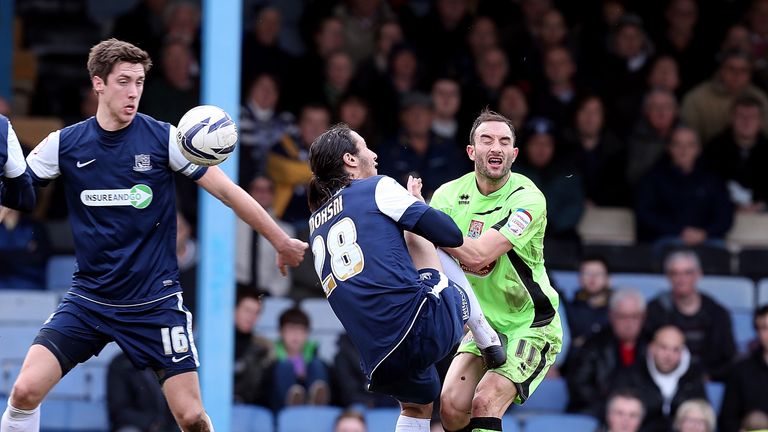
117, 169
16, 190
385, 285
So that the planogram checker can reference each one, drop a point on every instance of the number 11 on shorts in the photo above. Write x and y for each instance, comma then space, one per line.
174, 340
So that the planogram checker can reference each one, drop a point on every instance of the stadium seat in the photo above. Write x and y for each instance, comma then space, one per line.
321, 316
650, 285
54, 416
381, 419
32, 130
97, 380
559, 422
735, 293
748, 230
9, 370
59, 272
607, 225
625, 258
752, 263
271, 308
510, 423
252, 418
567, 282
328, 345
762, 292
715, 391
743, 329
15, 340
550, 397
26, 307
74, 416
74, 385
324, 326
307, 418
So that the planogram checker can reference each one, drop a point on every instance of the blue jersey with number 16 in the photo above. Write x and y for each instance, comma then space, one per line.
364, 266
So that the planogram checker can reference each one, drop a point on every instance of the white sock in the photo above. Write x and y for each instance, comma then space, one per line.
483, 333
411, 424
18, 420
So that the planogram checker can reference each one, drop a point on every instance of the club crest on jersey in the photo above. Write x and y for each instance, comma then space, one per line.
475, 229
519, 221
142, 163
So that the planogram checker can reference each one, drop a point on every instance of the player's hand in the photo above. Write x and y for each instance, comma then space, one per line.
3, 212
290, 253
414, 187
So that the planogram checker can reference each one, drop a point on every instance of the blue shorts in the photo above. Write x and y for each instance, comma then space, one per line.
408, 374
157, 335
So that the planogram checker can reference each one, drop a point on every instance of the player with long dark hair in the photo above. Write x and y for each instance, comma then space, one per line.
387, 287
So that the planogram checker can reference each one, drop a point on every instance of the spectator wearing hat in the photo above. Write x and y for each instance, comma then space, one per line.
416, 150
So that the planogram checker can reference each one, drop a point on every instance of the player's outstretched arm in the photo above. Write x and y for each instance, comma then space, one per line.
478, 253
290, 251
434, 225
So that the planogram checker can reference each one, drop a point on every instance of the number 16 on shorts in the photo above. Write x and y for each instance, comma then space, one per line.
174, 340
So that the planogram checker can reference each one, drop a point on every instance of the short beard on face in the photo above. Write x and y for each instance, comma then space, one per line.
482, 169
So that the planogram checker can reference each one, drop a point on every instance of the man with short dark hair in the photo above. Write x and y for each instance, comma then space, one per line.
588, 312
665, 380
624, 412
503, 216
374, 248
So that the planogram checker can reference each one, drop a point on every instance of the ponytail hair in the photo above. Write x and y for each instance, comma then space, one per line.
326, 160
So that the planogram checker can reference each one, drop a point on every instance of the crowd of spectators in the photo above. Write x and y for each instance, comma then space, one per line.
614, 103
655, 105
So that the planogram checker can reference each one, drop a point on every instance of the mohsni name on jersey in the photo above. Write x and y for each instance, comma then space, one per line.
326, 213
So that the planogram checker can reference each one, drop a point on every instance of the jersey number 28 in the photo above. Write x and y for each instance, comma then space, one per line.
345, 254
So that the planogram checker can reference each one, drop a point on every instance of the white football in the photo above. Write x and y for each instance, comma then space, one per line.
206, 135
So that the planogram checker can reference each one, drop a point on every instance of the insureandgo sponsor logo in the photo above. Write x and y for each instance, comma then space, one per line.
139, 196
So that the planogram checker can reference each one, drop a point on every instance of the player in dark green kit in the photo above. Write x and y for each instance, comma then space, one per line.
503, 216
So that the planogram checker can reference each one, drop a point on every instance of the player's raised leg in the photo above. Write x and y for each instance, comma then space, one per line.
39, 373
183, 395
487, 339
425, 255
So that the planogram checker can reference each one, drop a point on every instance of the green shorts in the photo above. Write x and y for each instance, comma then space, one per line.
530, 353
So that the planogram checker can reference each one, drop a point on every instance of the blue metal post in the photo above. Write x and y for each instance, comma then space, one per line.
216, 287
6, 48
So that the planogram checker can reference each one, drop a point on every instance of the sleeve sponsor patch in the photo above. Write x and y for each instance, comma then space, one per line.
519, 221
